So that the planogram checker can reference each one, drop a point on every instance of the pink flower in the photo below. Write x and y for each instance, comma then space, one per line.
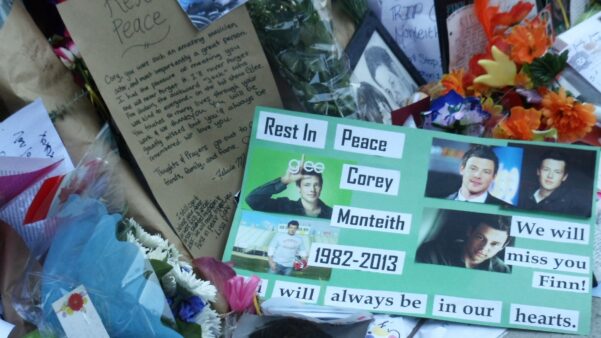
66, 57
214, 271
73, 49
240, 293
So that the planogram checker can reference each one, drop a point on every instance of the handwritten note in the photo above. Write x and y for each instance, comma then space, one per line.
466, 36
413, 26
30, 133
182, 99
584, 44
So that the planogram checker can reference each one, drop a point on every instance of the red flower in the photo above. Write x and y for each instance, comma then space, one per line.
75, 302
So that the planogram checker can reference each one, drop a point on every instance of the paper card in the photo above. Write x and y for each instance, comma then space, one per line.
5, 328
203, 13
78, 316
426, 234
385, 326
583, 42
181, 98
440, 329
461, 34
31, 134
412, 24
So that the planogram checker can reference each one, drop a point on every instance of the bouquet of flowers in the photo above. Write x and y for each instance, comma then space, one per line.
510, 90
189, 297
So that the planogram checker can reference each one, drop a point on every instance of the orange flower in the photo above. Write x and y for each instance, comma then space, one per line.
495, 111
529, 41
572, 119
453, 81
523, 80
492, 19
519, 125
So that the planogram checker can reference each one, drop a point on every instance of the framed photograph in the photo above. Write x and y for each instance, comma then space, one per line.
384, 75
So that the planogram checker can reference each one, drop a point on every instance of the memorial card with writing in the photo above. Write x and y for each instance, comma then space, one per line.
182, 99
413, 222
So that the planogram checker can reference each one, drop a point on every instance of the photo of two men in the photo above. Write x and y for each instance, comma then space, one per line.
527, 177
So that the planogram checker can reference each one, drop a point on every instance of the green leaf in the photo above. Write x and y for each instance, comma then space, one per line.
160, 268
33, 334
545, 69
189, 330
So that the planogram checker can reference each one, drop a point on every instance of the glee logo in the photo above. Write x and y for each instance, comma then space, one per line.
295, 166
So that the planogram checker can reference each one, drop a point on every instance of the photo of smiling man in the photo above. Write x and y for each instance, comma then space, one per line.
478, 169
307, 176
473, 173
468, 240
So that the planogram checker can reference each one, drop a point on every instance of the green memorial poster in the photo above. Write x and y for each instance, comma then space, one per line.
412, 222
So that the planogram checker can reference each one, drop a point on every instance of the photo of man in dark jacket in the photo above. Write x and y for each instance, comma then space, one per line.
486, 236
553, 193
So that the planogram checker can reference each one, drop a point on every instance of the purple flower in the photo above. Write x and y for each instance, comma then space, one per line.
189, 308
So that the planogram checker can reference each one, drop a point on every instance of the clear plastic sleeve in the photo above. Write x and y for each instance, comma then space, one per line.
297, 35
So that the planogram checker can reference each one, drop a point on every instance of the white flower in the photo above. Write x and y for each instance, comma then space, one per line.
210, 323
157, 254
148, 240
132, 239
187, 279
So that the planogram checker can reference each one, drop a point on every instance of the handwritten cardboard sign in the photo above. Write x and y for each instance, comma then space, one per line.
406, 221
181, 98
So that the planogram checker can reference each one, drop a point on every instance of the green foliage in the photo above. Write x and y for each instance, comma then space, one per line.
160, 268
544, 70
355, 9
33, 334
302, 44
189, 330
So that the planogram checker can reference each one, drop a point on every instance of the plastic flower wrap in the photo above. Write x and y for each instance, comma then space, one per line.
299, 38
137, 285
189, 297
515, 79
86, 252
455, 113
